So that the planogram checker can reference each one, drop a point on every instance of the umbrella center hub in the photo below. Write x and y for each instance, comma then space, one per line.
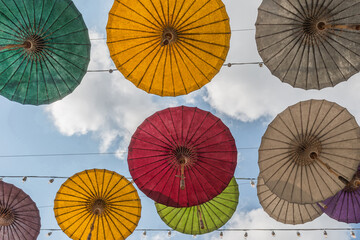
183, 155
354, 184
307, 152
34, 44
313, 26
98, 206
6, 217
169, 36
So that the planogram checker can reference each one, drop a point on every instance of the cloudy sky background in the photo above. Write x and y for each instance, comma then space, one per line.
104, 111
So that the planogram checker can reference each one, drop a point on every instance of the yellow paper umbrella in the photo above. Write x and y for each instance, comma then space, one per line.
97, 204
168, 48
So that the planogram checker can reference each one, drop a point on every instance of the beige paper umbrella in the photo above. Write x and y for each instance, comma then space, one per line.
284, 211
310, 44
310, 151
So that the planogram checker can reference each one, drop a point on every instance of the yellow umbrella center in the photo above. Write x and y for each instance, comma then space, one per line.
98, 206
307, 152
6, 217
169, 36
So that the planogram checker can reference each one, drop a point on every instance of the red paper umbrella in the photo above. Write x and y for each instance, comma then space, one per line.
19, 216
182, 156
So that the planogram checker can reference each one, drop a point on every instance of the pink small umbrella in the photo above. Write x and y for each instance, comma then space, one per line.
19, 216
182, 156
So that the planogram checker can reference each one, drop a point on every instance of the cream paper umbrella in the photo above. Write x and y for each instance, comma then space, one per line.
284, 211
310, 151
310, 44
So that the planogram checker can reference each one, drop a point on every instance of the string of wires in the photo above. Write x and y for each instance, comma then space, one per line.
230, 64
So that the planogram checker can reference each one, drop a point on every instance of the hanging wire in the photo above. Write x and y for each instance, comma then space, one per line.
145, 230
83, 154
25, 178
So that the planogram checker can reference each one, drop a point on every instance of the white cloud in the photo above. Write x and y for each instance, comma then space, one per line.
257, 219
105, 105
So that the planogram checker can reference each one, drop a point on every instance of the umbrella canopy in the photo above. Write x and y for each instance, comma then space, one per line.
284, 211
310, 151
98, 203
19, 216
182, 156
345, 205
44, 50
168, 48
203, 218
310, 44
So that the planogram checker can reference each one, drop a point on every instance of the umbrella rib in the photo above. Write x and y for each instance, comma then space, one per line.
326, 172
16, 26
86, 195
118, 222
162, 24
151, 14
105, 193
348, 49
165, 148
302, 46
178, 20
109, 195
356, 192
186, 65
203, 50
16, 34
137, 13
142, 60
164, 69
169, 143
217, 144
205, 25
45, 32
280, 16
330, 121
148, 67
165, 20
90, 192
134, 21
171, 55
181, 25
172, 141
339, 134
28, 18
17, 7
205, 131
113, 197
173, 48
156, 68
67, 52
21, 78
12, 75
108, 224
182, 28
340, 11
173, 125
202, 41
28, 82
331, 57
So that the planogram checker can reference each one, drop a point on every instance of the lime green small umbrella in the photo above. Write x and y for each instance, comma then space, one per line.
203, 218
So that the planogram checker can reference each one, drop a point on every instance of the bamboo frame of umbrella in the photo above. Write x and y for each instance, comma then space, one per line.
168, 48
203, 218
97, 204
308, 44
19, 215
182, 156
284, 211
310, 151
44, 50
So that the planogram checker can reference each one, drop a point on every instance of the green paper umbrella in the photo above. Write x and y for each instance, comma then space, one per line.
44, 50
203, 218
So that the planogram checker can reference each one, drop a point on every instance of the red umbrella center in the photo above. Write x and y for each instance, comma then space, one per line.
6, 217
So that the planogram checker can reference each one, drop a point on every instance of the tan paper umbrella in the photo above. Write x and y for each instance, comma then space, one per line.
310, 44
284, 211
97, 204
168, 48
310, 151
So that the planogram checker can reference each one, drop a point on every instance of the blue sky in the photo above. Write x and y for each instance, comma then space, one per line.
103, 112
